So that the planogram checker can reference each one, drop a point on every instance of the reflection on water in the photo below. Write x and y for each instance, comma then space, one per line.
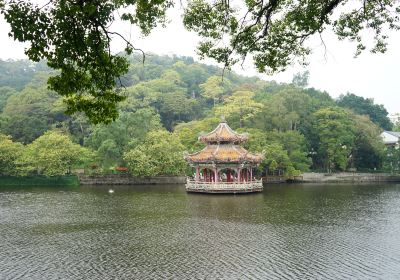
159, 232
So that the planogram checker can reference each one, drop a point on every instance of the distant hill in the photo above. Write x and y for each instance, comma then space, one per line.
297, 127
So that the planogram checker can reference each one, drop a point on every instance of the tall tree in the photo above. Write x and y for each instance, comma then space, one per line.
5, 93
365, 106
301, 79
391, 161
368, 151
52, 154
239, 107
192, 75
286, 109
10, 153
189, 132
336, 133
17, 74
31, 112
160, 154
111, 141
276, 158
215, 88
286, 150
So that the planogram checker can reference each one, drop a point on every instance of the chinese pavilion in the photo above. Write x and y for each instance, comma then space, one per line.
223, 166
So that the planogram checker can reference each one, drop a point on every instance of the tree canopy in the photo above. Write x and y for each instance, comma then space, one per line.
365, 106
75, 37
9, 153
161, 153
336, 137
52, 154
297, 128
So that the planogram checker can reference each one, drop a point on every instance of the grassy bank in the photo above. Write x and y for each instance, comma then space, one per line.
65, 181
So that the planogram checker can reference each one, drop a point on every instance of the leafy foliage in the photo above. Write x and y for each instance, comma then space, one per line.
336, 137
161, 153
297, 128
31, 112
301, 79
52, 154
5, 93
17, 74
112, 140
365, 106
189, 132
392, 162
239, 107
9, 154
369, 151
215, 88
71, 36
282, 150
75, 38
275, 32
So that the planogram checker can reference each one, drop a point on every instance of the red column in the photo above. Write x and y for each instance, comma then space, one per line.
228, 175
238, 172
251, 173
215, 174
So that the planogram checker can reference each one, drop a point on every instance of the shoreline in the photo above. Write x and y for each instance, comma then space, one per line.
347, 177
126, 179
36, 181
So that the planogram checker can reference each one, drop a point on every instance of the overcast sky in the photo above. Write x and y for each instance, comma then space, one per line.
374, 76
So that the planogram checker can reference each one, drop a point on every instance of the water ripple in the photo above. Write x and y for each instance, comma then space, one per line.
292, 232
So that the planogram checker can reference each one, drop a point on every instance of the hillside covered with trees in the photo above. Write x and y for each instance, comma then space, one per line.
169, 102
76, 37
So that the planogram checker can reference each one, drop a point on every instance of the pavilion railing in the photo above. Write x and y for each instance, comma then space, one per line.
245, 185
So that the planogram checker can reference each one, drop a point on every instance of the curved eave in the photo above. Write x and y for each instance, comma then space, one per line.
215, 160
206, 156
223, 133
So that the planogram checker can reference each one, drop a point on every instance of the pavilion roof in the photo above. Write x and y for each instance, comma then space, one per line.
223, 133
224, 154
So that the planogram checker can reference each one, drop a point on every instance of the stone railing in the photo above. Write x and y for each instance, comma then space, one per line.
198, 185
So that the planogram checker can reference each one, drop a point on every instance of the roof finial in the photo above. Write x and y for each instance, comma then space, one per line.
223, 119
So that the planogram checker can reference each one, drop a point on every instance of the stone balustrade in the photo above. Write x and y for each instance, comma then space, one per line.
224, 187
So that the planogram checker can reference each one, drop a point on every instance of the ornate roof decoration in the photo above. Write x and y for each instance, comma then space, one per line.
223, 133
222, 148
224, 154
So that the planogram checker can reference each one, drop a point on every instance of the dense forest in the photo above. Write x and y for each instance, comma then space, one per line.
169, 102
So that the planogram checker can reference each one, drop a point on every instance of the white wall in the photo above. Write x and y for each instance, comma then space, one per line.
388, 138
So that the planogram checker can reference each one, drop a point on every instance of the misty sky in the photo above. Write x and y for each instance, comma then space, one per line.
336, 71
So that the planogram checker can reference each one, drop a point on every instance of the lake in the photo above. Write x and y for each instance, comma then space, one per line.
298, 231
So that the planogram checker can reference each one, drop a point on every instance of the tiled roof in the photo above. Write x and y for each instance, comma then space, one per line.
394, 133
224, 153
223, 133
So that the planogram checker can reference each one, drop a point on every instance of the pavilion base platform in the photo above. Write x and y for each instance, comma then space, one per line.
224, 187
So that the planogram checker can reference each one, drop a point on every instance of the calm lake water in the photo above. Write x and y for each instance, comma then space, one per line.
286, 232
